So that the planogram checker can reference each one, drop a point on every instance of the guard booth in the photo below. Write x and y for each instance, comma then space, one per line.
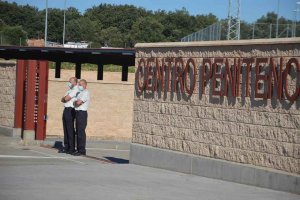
31, 99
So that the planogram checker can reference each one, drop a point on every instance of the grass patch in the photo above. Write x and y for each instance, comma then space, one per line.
91, 67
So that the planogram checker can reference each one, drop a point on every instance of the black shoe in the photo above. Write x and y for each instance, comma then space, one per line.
78, 154
70, 152
62, 151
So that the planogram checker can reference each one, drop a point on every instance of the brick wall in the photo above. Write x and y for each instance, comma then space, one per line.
7, 93
256, 131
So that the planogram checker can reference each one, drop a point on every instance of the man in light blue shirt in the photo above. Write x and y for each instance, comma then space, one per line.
81, 106
69, 116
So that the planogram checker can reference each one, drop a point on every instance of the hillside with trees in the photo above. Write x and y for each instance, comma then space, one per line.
105, 24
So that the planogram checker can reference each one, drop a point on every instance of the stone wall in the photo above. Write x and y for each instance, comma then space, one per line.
244, 129
110, 112
7, 93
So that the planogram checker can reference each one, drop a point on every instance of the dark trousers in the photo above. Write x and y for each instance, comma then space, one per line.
81, 123
69, 132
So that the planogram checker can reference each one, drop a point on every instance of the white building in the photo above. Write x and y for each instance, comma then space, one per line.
82, 44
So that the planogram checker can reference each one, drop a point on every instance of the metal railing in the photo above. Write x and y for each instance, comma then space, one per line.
218, 31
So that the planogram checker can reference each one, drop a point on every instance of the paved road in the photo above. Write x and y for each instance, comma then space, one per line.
35, 173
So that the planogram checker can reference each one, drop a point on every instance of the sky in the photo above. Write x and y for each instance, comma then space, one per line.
250, 9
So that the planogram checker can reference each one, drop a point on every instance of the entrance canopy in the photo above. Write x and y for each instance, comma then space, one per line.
100, 57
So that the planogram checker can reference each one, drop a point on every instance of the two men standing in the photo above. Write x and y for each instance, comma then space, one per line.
76, 102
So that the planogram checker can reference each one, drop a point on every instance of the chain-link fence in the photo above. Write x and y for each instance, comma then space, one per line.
218, 31
212, 32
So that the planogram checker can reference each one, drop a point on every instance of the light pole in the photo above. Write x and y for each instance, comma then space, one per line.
277, 20
46, 23
64, 31
295, 19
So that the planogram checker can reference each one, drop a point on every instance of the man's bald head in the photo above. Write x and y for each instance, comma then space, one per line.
73, 81
83, 83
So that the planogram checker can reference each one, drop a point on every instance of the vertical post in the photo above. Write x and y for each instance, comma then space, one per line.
124, 73
57, 69
46, 23
253, 31
42, 100
64, 30
78, 70
229, 20
277, 20
270, 35
29, 133
100, 71
19, 98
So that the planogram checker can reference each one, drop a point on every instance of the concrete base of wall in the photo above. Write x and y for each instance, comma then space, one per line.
214, 168
28, 135
17, 132
4, 130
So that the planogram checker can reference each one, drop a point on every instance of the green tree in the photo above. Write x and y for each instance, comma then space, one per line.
72, 13
26, 16
111, 37
202, 21
147, 29
55, 25
13, 35
245, 31
82, 29
121, 16
266, 26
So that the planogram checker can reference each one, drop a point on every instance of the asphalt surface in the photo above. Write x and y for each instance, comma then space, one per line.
40, 173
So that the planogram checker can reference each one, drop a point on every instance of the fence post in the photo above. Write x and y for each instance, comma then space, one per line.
220, 30
270, 36
253, 30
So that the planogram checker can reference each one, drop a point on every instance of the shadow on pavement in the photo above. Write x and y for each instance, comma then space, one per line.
117, 160
58, 145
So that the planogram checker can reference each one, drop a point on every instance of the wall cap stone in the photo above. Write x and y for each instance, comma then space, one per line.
5, 63
275, 41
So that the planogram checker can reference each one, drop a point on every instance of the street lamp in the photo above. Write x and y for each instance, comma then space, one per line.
295, 19
46, 23
64, 30
277, 20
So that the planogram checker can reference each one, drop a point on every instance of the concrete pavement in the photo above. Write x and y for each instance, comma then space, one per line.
35, 173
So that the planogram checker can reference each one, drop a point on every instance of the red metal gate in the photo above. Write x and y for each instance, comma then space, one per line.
31, 97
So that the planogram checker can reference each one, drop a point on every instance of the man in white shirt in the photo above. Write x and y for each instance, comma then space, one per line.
69, 116
81, 106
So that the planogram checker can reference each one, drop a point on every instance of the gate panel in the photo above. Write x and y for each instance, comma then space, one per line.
19, 99
30, 95
42, 100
